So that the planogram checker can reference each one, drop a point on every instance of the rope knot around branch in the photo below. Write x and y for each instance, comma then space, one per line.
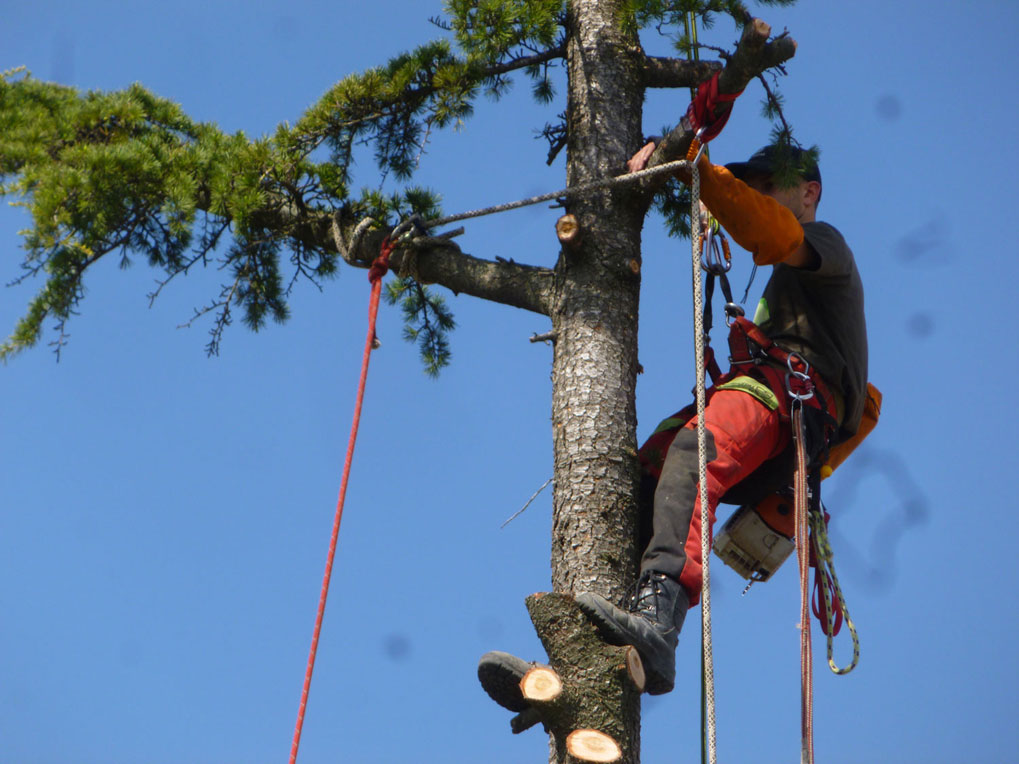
380, 266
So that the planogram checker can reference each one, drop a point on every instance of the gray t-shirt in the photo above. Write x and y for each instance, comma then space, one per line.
819, 314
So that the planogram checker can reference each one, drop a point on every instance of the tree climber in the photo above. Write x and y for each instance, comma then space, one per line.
812, 307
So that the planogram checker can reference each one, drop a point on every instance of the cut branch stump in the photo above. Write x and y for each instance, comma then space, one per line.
578, 694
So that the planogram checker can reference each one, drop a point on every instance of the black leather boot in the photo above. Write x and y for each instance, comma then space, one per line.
652, 625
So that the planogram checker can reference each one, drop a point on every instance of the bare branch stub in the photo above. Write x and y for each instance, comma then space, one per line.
568, 230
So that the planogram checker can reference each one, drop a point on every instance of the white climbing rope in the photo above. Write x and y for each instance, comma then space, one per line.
708, 666
349, 248
578, 190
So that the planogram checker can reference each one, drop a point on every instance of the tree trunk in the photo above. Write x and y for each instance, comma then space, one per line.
594, 315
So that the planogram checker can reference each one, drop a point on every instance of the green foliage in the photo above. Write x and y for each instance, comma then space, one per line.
792, 160
128, 173
427, 321
489, 28
672, 201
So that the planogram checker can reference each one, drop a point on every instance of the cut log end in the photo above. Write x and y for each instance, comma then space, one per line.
591, 745
541, 683
567, 228
635, 668
760, 28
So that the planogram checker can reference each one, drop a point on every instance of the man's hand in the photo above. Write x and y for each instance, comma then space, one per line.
639, 161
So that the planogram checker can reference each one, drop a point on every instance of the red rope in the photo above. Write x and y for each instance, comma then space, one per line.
378, 270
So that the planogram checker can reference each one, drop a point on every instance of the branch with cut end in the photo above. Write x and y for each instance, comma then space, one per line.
585, 680
592, 745
753, 55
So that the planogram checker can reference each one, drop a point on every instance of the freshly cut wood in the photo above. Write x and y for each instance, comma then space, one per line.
541, 683
592, 745
567, 228
635, 668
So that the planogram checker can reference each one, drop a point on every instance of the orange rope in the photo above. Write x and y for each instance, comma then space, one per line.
378, 270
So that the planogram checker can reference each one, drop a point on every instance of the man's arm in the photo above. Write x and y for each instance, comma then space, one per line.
758, 223
805, 256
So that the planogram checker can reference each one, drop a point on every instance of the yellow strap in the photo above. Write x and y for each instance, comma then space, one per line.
753, 387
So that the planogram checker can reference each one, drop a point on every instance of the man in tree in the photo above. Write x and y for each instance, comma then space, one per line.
812, 307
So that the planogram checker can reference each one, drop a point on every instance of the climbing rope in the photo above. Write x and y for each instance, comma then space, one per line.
375, 274
828, 582
800, 512
573, 191
707, 658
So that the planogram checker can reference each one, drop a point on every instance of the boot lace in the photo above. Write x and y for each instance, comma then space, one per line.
645, 596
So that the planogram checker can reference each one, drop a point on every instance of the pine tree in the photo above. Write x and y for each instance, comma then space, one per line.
128, 174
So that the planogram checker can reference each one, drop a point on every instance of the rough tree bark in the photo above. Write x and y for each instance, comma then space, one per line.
594, 313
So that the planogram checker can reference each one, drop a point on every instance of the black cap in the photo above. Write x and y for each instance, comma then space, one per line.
770, 158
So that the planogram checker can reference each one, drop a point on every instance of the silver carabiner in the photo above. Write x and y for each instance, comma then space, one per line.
712, 258
704, 145
733, 310
802, 376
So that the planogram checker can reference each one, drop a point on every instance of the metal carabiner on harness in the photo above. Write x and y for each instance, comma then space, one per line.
733, 310
702, 146
715, 255
803, 379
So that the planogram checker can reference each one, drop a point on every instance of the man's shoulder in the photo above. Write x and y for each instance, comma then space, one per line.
829, 243
823, 232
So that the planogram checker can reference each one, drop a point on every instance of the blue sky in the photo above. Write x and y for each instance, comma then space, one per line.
165, 516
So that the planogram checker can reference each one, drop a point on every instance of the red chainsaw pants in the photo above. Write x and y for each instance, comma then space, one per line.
742, 433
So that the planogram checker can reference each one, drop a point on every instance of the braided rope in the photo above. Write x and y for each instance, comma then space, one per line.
707, 659
826, 567
378, 270
800, 511
578, 190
